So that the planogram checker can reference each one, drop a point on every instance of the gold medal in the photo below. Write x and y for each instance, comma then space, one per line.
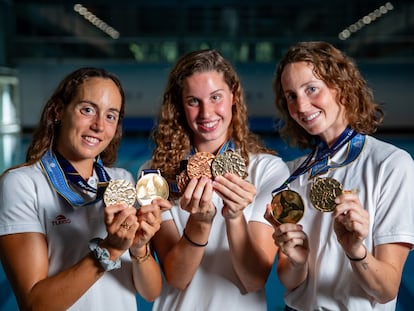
151, 186
200, 165
228, 162
119, 191
287, 207
323, 193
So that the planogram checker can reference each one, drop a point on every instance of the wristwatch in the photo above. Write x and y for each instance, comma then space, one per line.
103, 256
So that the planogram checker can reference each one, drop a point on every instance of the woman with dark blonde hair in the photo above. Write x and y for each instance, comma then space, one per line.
214, 245
348, 250
60, 247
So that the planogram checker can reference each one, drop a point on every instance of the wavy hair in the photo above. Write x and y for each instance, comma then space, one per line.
48, 129
173, 136
338, 72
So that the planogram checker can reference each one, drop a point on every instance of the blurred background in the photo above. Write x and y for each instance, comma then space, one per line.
41, 41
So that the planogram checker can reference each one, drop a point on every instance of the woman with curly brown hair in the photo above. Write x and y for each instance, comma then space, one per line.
349, 249
214, 245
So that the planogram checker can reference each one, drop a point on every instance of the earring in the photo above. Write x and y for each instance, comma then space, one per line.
56, 122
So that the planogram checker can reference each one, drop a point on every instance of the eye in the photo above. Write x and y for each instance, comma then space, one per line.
112, 117
215, 97
311, 89
192, 102
290, 97
88, 110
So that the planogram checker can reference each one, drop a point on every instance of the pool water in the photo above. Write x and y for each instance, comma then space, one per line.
136, 149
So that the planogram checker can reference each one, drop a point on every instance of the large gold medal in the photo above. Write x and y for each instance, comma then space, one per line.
287, 207
323, 193
119, 191
151, 186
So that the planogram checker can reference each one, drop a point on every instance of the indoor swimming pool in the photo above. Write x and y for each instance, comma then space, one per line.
135, 149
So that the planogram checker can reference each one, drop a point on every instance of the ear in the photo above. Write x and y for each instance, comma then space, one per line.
58, 112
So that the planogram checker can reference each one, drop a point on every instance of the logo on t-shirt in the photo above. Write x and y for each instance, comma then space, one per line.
60, 220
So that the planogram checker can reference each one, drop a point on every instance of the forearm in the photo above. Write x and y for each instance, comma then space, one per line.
250, 262
290, 275
61, 291
146, 274
184, 258
379, 279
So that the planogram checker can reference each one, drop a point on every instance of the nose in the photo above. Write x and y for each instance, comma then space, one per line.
302, 103
98, 123
205, 109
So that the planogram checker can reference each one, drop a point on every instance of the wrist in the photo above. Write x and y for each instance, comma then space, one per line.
103, 256
360, 257
143, 255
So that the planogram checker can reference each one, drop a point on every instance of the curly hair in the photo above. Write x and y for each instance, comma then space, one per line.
173, 136
338, 72
48, 129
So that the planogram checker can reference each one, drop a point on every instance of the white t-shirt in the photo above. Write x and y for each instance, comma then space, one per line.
28, 203
215, 285
384, 176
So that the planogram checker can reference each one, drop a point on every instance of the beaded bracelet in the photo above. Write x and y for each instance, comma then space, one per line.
192, 242
358, 259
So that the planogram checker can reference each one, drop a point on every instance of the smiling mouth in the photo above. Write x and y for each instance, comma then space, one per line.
311, 117
92, 140
209, 125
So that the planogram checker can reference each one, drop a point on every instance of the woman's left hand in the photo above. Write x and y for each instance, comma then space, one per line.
236, 193
149, 220
351, 222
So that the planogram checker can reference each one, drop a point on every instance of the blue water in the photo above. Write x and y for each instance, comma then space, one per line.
134, 150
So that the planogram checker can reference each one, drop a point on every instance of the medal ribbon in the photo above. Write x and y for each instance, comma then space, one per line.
59, 171
323, 153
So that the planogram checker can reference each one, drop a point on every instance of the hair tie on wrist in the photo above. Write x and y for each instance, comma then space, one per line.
192, 242
358, 259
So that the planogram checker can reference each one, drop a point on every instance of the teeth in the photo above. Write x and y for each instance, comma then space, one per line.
312, 116
209, 124
91, 139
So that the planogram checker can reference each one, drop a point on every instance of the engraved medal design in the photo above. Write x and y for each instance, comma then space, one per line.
228, 162
200, 165
182, 180
151, 186
323, 193
119, 191
287, 207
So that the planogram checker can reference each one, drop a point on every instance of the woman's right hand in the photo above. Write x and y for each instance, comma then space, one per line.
196, 199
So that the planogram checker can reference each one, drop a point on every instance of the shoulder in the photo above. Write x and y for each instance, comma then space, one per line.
24, 174
381, 151
264, 162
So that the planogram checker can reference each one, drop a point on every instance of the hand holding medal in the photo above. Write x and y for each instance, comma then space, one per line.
324, 191
206, 164
149, 186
